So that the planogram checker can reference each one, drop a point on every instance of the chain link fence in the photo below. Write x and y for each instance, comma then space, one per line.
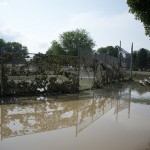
34, 74
97, 70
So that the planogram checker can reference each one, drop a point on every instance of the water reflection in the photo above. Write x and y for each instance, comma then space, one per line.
37, 115
29, 117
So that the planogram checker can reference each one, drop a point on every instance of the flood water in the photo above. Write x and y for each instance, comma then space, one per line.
115, 118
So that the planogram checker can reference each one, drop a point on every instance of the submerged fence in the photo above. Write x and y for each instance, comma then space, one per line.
34, 74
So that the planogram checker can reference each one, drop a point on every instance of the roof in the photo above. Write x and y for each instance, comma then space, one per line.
122, 50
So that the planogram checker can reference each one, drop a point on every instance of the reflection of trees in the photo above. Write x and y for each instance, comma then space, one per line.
38, 117
102, 102
93, 110
35, 117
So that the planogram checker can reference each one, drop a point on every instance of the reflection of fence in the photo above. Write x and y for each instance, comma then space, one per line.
34, 117
100, 104
94, 110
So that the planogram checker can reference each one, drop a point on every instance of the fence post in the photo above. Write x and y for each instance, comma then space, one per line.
79, 69
120, 55
131, 64
1, 76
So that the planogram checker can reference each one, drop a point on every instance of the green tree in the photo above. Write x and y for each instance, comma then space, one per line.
12, 47
110, 50
78, 40
15, 47
141, 10
19, 52
148, 63
56, 49
2, 44
135, 60
143, 59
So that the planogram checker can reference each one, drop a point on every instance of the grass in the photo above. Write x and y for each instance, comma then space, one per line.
139, 75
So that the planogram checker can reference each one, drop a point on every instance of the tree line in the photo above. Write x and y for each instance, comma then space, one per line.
12, 47
79, 40
71, 42
141, 60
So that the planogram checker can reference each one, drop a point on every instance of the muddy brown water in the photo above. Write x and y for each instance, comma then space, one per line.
115, 118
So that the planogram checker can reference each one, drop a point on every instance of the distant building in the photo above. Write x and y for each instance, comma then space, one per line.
124, 57
123, 52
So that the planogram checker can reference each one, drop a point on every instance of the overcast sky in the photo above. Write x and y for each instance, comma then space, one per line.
36, 23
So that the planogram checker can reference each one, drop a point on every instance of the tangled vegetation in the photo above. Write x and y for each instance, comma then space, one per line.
103, 74
53, 74
40, 74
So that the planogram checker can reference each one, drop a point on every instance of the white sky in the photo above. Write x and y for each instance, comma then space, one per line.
35, 23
